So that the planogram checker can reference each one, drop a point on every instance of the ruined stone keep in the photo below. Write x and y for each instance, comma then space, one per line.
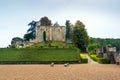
53, 33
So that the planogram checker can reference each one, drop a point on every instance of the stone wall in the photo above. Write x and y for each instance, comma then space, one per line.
52, 33
107, 52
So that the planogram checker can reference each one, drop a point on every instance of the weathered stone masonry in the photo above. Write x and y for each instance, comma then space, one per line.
53, 33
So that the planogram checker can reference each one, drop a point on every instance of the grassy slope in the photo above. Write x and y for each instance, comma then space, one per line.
38, 54
53, 44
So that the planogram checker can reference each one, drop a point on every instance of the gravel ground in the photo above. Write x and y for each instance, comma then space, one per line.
59, 72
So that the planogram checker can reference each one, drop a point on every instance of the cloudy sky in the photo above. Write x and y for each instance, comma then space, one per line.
101, 17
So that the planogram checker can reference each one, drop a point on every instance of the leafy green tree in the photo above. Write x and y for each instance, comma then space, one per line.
80, 36
44, 21
102, 42
31, 32
32, 28
15, 40
67, 29
29, 36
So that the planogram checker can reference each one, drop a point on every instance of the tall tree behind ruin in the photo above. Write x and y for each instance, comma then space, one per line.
67, 29
45, 21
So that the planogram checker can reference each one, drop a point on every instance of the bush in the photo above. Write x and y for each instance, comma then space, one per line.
12, 46
56, 46
49, 45
94, 57
104, 60
83, 58
100, 60
71, 46
41, 46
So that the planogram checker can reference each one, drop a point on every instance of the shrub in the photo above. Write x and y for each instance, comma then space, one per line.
56, 46
12, 46
49, 45
94, 57
104, 60
41, 46
71, 46
83, 58
100, 60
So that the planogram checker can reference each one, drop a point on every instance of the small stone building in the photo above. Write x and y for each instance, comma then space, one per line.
53, 33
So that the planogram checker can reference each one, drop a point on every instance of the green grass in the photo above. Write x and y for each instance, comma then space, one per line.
34, 54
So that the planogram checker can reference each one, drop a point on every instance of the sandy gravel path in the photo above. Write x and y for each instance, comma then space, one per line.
90, 61
59, 72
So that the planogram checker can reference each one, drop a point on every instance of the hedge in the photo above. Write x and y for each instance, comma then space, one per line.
100, 60
38, 55
94, 57
104, 60
83, 58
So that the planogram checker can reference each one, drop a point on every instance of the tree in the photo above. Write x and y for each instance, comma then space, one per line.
15, 40
45, 21
29, 36
67, 29
33, 25
31, 32
56, 24
80, 37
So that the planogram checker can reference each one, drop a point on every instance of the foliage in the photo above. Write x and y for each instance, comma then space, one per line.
80, 37
94, 57
67, 29
15, 40
100, 42
28, 54
104, 60
56, 24
12, 46
100, 60
45, 21
29, 36
83, 58
31, 32
93, 46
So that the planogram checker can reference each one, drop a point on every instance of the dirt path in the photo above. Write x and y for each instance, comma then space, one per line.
59, 72
90, 61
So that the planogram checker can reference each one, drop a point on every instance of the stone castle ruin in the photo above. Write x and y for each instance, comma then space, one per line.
53, 33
